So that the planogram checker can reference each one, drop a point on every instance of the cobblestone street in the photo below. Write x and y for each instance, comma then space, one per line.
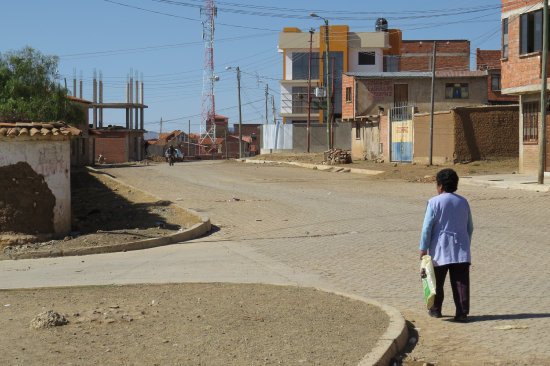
357, 235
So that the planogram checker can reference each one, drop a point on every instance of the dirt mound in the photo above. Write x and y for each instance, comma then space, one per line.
48, 319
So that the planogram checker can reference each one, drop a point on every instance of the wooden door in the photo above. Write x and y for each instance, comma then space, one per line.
400, 95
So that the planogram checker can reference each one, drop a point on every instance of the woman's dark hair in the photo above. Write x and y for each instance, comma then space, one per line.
448, 180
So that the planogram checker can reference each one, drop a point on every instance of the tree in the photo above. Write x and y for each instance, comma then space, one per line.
29, 92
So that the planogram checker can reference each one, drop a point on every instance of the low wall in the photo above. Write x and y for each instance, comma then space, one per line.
318, 137
486, 132
443, 138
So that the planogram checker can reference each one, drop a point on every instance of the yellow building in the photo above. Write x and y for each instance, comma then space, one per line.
348, 52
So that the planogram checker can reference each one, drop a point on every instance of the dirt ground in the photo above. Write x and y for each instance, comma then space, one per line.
420, 173
188, 324
105, 212
191, 324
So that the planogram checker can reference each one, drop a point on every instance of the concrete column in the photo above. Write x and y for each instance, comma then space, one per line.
127, 111
100, 99
142, 109
95, 101
131, 101
137, 124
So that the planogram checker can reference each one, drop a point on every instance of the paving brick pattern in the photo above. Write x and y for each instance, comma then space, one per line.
358, 235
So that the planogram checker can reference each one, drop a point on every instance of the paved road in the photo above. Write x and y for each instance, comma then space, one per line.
346, 232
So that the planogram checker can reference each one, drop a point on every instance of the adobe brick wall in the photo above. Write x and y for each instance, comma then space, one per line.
450, 55
348, 108
486, 132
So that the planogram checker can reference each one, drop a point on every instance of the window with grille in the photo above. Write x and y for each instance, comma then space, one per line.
495, 82
531, 112
367, 58
505, 38
456, 91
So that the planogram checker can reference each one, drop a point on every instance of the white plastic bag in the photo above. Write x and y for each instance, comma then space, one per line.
428, 280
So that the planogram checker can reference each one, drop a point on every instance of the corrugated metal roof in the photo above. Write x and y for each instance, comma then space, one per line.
416, 74
37, 129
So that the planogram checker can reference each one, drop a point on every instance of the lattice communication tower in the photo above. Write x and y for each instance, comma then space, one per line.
208, 110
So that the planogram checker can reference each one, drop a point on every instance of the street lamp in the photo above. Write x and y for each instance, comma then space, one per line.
326, 76
240, 115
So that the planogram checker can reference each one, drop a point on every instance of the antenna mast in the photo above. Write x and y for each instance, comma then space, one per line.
208, 110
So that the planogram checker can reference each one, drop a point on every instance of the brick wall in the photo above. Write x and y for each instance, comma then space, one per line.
384, 136
530, 163
519, 70
348, 108
113, 149
450, 55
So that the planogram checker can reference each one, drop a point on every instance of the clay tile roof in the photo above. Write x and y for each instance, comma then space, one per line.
17, 129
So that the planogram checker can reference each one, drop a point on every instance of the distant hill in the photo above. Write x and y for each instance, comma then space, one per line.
150, 135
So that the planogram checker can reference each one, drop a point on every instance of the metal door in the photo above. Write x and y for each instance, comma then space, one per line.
401, 134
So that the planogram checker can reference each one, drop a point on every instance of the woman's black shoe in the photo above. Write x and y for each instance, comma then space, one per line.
434, 314
461, 318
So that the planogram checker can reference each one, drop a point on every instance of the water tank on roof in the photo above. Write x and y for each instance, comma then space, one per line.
381, 25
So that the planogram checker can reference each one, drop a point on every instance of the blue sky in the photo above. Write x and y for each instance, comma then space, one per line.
162, 40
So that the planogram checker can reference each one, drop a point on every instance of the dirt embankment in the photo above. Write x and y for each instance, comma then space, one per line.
105, 212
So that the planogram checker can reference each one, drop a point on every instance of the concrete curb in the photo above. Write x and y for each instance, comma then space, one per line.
503, 184
320, 167
193, 232
391, 342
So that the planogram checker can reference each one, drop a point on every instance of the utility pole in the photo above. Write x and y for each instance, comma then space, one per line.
432, 105
274, 111
225, 139
188, 136
311, 30
332, 102
543, 102
160, 133
327, 83
240, 115
266, 96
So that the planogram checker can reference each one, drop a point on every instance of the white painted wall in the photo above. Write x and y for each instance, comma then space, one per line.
353, 60
52, 160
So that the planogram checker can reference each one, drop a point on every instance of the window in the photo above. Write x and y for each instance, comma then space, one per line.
300, 65
531, 112
495, 82
299, 100
391, 63
505, 38
348, 94
456, 91
530, 39
367, 58
357, 131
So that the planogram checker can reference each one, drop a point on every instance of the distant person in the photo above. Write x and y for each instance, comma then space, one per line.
446, 236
